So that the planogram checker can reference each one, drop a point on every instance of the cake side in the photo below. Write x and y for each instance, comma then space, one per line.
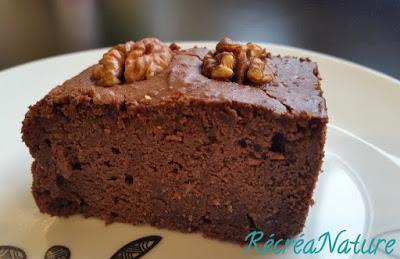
193, 167
182, 151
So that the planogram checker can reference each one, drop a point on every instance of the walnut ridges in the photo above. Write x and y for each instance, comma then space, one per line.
239, 63
132, 61
109, 70
146, 58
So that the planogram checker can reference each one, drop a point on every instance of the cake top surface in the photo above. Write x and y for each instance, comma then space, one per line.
293, 88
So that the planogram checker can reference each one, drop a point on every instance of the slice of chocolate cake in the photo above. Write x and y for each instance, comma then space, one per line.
221, 142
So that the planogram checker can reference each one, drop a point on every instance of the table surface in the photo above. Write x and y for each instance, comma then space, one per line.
363, 31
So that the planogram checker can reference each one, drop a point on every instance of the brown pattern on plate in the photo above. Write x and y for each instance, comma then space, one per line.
58, 252
11, 252
137, 248
132, 250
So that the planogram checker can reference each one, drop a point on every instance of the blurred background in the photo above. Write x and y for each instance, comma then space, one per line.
363, 31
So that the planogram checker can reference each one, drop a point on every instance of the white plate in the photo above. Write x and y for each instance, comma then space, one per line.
357, 191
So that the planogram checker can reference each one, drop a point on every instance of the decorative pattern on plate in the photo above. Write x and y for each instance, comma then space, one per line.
132, 250
11, 252
58, 252
137, 248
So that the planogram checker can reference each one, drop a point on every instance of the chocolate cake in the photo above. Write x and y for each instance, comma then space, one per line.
220, 142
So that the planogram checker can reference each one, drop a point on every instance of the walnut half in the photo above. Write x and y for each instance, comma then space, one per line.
109, 70
239, 63
133, 61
